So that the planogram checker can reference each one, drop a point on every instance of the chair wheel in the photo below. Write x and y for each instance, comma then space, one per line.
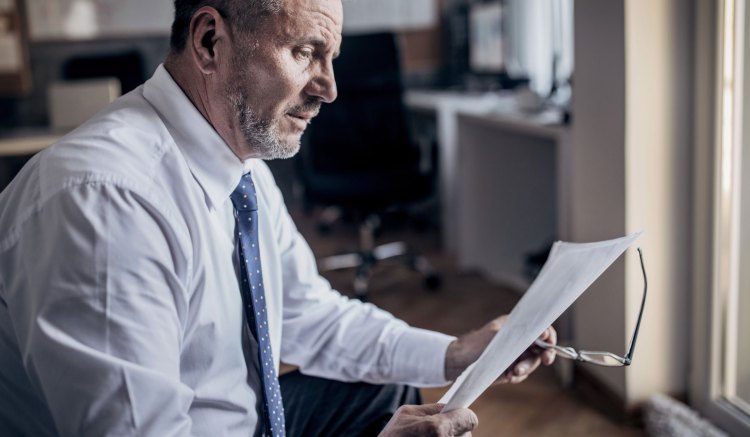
361, 286
432, 282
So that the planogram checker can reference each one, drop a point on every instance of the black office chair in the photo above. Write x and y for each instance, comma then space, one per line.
127, 66
358, 154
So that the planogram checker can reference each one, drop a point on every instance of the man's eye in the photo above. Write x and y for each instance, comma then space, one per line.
305, 53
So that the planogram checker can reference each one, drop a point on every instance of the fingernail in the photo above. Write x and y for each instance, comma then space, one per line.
521, 370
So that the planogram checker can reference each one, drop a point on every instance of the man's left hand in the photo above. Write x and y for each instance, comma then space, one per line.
466, 349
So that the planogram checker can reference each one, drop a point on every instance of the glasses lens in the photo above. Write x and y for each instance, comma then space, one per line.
602, 358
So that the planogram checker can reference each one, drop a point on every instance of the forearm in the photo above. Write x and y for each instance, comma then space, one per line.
466, 349
349, 341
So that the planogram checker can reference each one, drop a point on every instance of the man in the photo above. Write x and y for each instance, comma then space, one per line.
151, 279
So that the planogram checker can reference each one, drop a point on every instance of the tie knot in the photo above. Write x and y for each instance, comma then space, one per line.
243, 197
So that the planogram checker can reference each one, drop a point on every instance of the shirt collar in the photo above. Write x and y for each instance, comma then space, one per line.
213, 164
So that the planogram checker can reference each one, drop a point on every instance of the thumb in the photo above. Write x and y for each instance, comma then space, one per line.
428, 409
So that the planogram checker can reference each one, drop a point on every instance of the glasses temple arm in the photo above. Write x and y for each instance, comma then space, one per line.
629, 355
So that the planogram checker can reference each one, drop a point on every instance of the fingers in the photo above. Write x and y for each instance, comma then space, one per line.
462, 421
520, 371
530, 360
517, 379
523, 369
526, 366
428, 420
423, 410
550, 336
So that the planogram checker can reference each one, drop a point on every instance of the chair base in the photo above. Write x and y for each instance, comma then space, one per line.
370, 255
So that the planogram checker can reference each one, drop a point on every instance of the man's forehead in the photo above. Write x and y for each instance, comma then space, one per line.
327, 14
332, 9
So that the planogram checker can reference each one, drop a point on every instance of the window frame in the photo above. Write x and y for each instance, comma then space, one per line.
718, 135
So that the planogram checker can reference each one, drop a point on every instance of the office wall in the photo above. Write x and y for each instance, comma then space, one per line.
598, 169
421, 52
421, 61
47, 58
631, 167
659, 173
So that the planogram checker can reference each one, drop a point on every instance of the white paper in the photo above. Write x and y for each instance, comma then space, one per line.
570, 269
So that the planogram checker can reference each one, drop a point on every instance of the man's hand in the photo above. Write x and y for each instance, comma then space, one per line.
467, 348
427, 420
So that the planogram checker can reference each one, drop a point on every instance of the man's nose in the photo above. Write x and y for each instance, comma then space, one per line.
323, 85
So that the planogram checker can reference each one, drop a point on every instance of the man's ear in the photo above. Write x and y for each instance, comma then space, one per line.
208, 36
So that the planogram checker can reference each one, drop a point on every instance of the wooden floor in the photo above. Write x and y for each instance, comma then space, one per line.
536, 407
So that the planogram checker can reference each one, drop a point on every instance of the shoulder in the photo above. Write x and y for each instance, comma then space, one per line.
125, 150
126, 145
127, 140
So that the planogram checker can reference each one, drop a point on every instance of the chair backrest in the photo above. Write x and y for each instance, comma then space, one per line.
365, 129
127, 66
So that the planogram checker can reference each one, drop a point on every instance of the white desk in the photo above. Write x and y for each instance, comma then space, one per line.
503, 179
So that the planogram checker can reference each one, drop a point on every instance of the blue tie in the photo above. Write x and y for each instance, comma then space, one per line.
251, 284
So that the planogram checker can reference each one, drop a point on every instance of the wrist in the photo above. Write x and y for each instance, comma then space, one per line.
454, 364
466, 349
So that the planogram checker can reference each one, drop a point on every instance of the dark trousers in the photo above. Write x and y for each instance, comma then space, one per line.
322, 407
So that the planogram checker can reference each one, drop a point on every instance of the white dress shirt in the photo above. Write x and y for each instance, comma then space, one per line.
120, 309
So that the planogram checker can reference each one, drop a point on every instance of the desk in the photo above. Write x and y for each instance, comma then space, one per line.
503, 182
16, 146
26, 142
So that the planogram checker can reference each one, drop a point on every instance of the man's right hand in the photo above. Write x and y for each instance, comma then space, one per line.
427, 420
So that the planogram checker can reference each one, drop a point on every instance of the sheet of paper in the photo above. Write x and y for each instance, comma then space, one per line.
570, 269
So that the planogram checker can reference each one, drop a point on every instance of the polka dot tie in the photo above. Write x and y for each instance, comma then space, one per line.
251, 283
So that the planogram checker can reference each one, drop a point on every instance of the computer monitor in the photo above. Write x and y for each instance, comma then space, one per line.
486, 50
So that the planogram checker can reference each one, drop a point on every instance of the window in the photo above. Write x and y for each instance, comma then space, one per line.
721, 386
738, 348
540, 42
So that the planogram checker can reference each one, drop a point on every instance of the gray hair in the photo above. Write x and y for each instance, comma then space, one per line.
244, 15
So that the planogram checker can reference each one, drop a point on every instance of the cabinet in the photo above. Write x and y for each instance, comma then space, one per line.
503, 179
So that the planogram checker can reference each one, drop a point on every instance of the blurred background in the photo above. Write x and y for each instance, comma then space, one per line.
470, 135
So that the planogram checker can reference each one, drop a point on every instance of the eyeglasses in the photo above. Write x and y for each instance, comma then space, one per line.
603, 358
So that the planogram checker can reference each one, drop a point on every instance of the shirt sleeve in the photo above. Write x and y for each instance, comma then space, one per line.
99, 304
331, 336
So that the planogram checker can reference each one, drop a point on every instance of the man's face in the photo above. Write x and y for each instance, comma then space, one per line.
281, 75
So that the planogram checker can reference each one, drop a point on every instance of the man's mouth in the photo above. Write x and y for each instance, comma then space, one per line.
300, 120
305, 116
301, 115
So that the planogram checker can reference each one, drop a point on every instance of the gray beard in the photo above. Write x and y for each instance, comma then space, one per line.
261, 135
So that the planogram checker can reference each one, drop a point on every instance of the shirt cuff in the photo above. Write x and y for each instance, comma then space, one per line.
420, 357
